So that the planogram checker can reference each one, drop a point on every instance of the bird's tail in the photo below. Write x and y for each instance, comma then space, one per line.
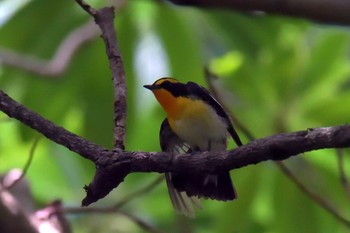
182, 203
218, 187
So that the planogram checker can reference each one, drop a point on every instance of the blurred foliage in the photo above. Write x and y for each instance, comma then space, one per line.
276, 74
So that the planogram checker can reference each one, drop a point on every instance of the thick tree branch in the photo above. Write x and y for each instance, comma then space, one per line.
113, 165
53, 132
325, 11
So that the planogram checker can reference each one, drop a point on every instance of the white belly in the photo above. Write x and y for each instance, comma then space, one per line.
206, 131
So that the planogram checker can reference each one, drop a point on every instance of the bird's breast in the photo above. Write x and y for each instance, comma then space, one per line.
200, 126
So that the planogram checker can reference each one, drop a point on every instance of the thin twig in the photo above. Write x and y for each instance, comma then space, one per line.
111, 210
343, 177
143, 224
47, 128
116, 208
139, 192
87, 7
28, 163
318, 199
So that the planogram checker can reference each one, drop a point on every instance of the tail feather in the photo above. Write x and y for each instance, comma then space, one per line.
182, 203
186, 189
218, 187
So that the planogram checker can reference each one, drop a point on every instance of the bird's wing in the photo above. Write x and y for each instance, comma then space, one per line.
203, 94
170, 142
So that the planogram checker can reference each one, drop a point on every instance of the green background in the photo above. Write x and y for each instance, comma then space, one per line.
275, 74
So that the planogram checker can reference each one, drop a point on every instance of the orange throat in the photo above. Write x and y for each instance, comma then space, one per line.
171, 105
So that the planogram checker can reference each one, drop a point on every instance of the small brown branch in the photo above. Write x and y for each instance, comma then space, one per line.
139, 192
87, 7
27, 165
144, 225
325, 11
343, 178
116, 208
60, 60
104, 18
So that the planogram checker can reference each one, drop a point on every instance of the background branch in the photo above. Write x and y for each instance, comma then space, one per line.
27, 165
60, 60
53, 132
325, 11
318, 199
343, 178
140, 222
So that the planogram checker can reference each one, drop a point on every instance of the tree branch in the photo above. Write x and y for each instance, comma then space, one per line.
140, 222
104, 18
322, 202
113, 165
53, 132
325, 11
343, 177
26, 166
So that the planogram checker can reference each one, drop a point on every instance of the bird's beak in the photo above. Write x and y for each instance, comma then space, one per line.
151, 87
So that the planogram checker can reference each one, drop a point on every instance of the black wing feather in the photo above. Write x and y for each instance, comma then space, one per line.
203, 94
193, 184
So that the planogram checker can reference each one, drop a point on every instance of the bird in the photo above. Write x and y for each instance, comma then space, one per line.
195, 121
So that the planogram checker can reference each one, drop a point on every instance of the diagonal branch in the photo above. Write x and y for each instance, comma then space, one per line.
112, 210
322, 202
325, 11
26, 166
60, 60
53, 132
113, 165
